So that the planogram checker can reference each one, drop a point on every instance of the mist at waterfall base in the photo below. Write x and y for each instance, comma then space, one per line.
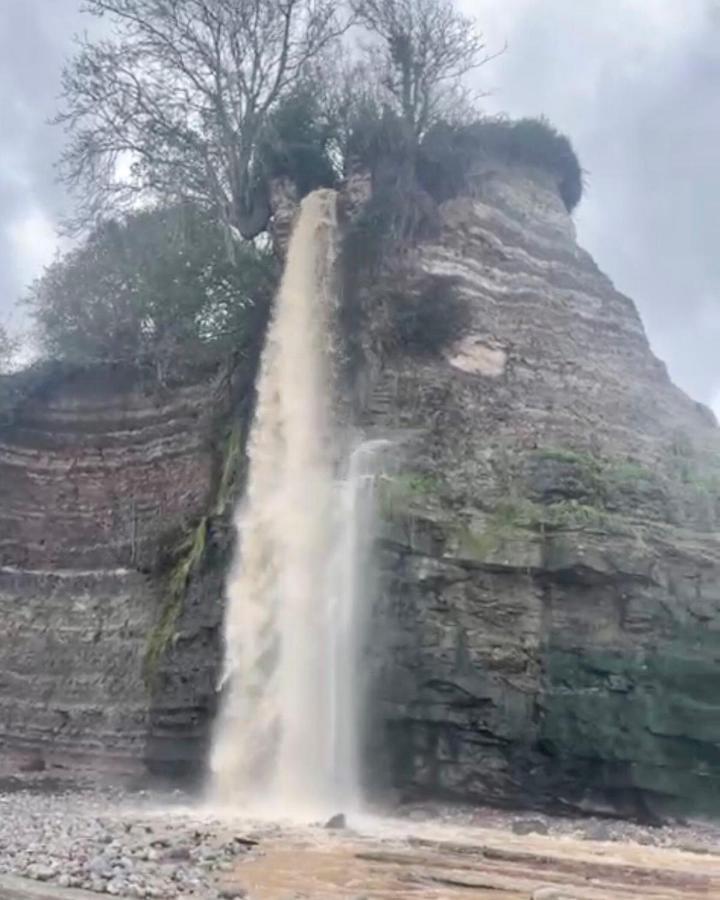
289, 730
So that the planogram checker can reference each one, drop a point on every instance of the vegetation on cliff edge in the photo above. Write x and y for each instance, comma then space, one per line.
158, 289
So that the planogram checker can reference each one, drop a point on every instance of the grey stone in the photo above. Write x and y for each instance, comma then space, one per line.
233, 892
41, 872
177, 853
529, 826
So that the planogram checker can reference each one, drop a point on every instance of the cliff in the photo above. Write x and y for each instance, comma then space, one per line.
547, 631
96, 472
550, 613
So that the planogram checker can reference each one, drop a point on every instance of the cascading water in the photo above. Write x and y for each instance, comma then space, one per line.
287, 739
348, 593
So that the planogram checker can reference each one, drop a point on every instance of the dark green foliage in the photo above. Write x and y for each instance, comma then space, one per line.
160, 289
421, 315
377, 137
399, 210
409, 311
447, 153
403, 309
297, 141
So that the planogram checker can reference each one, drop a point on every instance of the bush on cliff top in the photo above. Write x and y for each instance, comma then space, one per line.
297, 141
443, 160
448, 152
159, 289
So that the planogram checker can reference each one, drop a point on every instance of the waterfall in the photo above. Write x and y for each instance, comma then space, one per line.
288, 731
349, 591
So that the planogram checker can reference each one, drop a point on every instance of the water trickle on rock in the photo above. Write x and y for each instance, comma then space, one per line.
288, 732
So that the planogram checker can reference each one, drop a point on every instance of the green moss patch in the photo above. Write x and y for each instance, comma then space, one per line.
406, 492
188, 558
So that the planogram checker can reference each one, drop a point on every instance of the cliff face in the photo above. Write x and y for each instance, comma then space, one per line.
551, 604
95, 473
548, 627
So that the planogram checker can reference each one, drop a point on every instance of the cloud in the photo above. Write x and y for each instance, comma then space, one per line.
35, 36
33, 239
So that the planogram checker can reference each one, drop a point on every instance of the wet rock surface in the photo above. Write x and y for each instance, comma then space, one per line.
548, 626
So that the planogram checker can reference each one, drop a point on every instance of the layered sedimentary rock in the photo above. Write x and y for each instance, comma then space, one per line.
551, 607
548, 630
95, 473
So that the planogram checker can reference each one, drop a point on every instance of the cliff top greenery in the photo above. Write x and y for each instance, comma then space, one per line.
448, 153
182, 114
158, 289
204, 101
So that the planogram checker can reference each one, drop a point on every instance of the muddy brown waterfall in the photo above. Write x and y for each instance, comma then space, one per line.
287, 736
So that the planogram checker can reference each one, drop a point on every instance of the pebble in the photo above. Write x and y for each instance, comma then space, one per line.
178, 853
529, 826
67, 839
232, 892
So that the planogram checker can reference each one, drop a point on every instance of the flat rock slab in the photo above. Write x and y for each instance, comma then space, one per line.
487, 865
14, 888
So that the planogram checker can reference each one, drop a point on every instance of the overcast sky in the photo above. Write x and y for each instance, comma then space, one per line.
634, 83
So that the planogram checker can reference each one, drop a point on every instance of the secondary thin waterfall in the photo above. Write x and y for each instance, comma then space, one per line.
287, 739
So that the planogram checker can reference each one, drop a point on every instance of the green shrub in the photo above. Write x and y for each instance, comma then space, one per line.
421, 315
447, 154
160, 289
297, 141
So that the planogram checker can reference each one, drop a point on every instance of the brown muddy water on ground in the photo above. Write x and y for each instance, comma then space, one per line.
383, 859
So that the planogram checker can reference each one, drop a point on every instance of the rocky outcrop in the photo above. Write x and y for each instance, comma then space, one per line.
551, 604
96, 472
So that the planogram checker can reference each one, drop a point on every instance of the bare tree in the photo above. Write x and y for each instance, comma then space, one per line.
423, 50
174, 105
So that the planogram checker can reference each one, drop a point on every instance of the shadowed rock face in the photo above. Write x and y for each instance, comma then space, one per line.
94, 473
551, 607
